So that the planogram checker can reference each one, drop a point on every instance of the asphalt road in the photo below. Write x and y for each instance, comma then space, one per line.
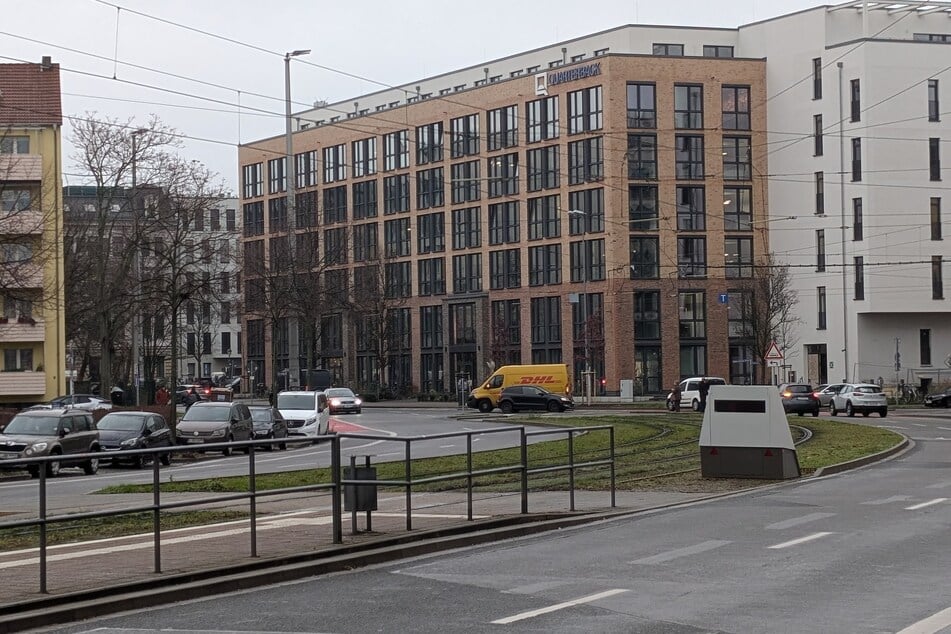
864, 551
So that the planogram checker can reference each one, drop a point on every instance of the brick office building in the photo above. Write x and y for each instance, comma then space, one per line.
566, 200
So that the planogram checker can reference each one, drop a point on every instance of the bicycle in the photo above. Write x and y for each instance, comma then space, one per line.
909, 395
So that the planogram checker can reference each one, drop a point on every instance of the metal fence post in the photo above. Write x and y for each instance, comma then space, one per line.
469, 475
524, 458
613, 489
335, 480
253, 501
42, 483
156, 516
571, 469
409, 486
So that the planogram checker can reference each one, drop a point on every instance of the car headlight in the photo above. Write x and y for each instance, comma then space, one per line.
310, 421
358, 401
216, 433
130, 442
36, 448
335, 402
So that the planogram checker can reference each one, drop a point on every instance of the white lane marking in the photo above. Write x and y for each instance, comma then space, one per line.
801, 540
919, 424
939, 485
446, 446
919, 438
915, 507
892, 426
558, 606
681, 552
894, 498
934, 623
796, 521
945, 428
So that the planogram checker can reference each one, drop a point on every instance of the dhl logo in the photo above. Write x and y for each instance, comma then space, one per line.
535, 380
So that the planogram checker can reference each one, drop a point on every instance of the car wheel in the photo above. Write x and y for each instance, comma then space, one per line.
485, 406
359, 410
91, 466
34, 471
227, 450
815, 412
269, 446
52, 468
282, 446
670, 406
695, 406
849, 410
166, 459
832, 410
138, 462
506, 407
553, 406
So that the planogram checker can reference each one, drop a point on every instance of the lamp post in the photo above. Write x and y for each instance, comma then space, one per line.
136, 274
584, 304
290, 174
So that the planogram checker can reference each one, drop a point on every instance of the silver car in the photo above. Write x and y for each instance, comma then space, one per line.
826, 392
863, 398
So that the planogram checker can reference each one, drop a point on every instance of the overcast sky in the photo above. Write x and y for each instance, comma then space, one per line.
387, 41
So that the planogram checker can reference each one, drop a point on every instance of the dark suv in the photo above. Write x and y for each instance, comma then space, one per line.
799, 398
51, 432
518, 398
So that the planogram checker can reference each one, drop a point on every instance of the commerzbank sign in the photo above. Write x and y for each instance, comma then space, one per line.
544, 80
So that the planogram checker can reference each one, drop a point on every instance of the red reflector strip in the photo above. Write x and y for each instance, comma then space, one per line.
769, 453
713, 451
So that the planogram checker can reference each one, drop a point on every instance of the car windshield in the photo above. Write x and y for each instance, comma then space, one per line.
120, 422
296, 401
798, 388
209, 413
260, 414
868, 389
338, 391
33, 426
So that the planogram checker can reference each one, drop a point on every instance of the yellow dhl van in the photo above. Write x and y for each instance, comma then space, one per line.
552, 377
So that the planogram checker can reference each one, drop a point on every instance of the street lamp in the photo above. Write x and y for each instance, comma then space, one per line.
290, 174
136, 275
584, 304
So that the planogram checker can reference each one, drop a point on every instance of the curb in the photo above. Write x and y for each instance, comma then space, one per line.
861, 462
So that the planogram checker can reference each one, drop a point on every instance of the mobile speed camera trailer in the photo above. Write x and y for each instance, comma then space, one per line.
745, 434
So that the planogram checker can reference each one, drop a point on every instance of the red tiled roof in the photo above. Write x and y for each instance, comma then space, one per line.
29, 95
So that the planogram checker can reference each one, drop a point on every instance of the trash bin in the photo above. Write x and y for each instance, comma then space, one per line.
355, 496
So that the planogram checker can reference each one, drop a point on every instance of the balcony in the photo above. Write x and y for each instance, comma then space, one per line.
21, 167
26, 274
14, 331
22, 383
21, 223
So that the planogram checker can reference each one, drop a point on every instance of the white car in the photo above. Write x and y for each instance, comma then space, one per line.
863, 398
826, 392
85, 402
306, 413
690, 392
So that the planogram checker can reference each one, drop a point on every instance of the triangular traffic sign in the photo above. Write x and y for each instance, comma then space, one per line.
773, 353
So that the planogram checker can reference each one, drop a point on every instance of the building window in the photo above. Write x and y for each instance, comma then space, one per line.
935, 218
642, 207
924, 346
252, 178
855, 100
14, 144
641, 106
254, 219
396, 194
335, 163
335, 204
737, 208
645, 260
464, 132
943, 38
738, 257
364, 242
432, 276
691, 209
544, 265
466, 184
397, 280
429, 143
277, 179
937, 284
503, 175
691, 257
668, 50
586, 161
646, 315
396, 150
431, 233
546, 329
505, 269
857, 229
820, 250
503, 223
934, 159
466, 228
335, 246
856, 159
717, 51
364, 157
542, 119
934, 110
503, 128
591, 202
736, 107
817, 78
642, 156
430, 188
585, 110
688, 107
467, 273
396, 238
506, 329
276, 216
14, 199
821, 308
737, 158
305, 166
364, 200
817, 134
820, 193
693, 315
688, 154
586, 260
543, 168
544, 220
859, 277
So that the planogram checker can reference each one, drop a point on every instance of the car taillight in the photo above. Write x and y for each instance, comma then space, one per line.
787, 394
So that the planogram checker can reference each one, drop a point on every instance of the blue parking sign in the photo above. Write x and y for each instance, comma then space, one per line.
724, 298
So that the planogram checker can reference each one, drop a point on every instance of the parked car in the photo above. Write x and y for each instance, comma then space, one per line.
825, 393
307, 413
863, 398
799, 398
208, 422
939, 399
690, 392
134, 430
268, 423
531, 397
54, 432
86, 402
342, 399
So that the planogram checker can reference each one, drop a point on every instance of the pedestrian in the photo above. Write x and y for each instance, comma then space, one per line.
191, 397
675, 396
162, 396
704, 389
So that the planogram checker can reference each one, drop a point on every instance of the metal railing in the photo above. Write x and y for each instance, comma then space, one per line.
335, 486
